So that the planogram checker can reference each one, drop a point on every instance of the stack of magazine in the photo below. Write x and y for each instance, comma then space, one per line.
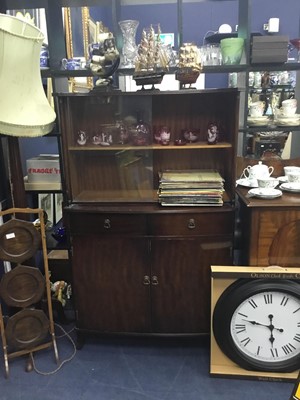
190, 188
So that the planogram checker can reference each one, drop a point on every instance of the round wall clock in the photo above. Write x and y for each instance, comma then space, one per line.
256, 323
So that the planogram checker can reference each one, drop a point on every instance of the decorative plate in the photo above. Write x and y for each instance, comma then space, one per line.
290, 187
265, 193
19, 240
26, 328
22, 286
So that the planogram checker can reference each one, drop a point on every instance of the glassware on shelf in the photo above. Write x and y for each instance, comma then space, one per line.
123, 132
190, 135
141, 133
82, 138
163, 135
212, 133
129, 51
296, 44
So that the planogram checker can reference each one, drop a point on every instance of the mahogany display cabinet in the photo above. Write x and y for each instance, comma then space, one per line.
140, 267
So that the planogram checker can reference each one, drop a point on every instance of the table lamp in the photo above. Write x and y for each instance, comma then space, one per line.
24, 107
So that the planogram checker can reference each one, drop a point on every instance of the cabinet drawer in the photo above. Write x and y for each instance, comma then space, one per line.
193, 224
107, 224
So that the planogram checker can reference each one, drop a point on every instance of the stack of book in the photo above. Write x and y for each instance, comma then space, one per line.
190, 188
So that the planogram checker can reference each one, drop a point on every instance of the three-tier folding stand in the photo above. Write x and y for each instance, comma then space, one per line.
26, 328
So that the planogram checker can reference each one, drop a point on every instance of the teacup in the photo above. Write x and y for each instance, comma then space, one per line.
294, 177
71, 64
288, 110
267, 183
256, 109
291, 169
290, 102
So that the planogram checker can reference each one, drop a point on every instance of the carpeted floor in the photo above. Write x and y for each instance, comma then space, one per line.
130, 369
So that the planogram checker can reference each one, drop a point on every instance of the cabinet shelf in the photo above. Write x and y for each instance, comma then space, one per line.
188, 146
60, 73
136, 196
284, 128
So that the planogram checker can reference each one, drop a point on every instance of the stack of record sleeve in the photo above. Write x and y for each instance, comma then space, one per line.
190, 188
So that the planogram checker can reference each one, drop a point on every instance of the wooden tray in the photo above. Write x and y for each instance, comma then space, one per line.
22, 286
19, 240
26, 328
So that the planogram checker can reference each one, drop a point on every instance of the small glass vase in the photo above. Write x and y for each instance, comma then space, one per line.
129, 51
141, 132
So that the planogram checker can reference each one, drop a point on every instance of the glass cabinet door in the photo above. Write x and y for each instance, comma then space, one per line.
117, 144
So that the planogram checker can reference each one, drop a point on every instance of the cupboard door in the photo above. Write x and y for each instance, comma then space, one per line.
112, 293
180, 278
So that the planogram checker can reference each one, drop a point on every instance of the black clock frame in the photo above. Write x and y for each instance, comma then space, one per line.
227, 303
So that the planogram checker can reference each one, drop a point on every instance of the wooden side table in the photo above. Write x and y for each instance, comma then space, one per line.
269, 229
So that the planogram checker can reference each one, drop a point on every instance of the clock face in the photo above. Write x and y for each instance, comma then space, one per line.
256, 323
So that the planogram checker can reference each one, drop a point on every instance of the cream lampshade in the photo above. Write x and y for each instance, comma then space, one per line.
24, 107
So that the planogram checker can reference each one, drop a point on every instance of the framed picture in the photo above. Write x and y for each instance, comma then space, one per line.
46, 204
58, 206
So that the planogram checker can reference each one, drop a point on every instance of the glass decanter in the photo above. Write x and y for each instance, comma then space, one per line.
141, 132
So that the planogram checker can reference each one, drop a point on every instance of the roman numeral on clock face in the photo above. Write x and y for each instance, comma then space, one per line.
240, 328
274, 352
288, 348
246, 341
268, 298
252, 303
284, 301
297, 337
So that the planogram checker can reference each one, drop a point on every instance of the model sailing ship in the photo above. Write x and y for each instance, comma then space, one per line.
189, 65
151, 62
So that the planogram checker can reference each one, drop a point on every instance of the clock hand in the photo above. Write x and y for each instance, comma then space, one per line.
271, 327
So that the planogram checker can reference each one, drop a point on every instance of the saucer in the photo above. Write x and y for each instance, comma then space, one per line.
258, 121
290, 187
283, 179
289, 120
265, 193
292, 116
247, 182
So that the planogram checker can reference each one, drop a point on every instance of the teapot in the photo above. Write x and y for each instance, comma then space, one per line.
256, 171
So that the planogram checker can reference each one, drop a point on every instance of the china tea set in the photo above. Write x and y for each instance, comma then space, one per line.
273, 109
262, 185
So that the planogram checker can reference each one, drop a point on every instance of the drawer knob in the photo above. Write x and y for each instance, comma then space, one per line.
146, 280
154, 280
191, 223
107, 224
